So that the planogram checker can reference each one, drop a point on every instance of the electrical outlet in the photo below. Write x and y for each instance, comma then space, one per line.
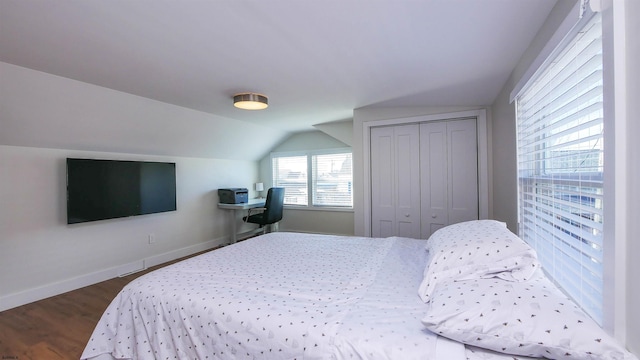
152, 238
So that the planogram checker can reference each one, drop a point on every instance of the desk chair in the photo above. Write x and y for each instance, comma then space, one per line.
271, 213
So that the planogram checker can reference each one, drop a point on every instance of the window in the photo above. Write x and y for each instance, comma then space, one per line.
560, 166
290, 172
331, 180
320, 179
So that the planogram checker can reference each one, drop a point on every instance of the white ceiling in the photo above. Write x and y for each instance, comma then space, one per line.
315, 60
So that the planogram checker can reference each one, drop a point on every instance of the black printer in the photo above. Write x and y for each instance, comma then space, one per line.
233, 195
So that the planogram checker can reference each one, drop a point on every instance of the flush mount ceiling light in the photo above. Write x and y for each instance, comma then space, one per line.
250, 101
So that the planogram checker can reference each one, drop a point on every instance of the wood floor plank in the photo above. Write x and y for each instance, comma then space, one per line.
59, 327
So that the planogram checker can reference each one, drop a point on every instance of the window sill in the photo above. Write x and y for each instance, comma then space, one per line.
318, 208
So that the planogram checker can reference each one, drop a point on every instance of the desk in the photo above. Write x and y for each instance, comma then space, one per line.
252, 203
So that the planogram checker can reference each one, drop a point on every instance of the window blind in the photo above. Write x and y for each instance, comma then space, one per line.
331, 180
560, 167
290, 172
315, 178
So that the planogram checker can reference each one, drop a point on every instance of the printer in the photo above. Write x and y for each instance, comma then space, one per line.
233, 195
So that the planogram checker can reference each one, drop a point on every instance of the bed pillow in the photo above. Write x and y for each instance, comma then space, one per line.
476, 249
530, 318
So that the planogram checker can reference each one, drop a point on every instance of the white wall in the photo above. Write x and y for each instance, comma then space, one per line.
40, 255
633, 168
505, 186
45, 118
309, 220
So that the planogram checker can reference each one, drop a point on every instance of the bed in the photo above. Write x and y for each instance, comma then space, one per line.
308, 296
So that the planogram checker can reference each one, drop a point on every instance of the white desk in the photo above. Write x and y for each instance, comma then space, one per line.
252, 203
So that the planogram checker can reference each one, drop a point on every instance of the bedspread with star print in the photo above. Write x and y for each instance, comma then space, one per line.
277, 296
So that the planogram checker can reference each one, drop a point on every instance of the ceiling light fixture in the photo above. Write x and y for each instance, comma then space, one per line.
250, 101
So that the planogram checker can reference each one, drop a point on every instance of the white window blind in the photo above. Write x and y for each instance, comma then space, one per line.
315, 178
290, 172
332, 179
560, 167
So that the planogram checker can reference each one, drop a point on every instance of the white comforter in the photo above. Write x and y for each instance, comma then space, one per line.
281, 295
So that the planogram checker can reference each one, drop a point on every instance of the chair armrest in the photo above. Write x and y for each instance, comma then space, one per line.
257, 209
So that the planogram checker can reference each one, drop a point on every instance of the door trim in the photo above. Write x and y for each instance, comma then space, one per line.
483, 156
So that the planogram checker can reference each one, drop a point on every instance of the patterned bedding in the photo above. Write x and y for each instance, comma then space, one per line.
278, 296
294, 296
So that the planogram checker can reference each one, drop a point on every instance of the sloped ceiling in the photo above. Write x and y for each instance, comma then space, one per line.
341, 130
315, 60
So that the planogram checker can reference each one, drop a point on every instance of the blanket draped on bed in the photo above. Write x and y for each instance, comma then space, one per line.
282, 295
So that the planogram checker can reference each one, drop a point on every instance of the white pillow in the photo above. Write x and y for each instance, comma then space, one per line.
476, 249
530, 318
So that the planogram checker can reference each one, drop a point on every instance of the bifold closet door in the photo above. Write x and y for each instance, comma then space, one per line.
395, 181
449, 173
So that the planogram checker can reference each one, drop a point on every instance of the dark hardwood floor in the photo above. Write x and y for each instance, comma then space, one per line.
58, 327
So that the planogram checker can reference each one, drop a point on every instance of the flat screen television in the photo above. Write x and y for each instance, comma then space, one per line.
108, 189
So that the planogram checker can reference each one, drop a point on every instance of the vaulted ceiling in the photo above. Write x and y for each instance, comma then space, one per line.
315, 60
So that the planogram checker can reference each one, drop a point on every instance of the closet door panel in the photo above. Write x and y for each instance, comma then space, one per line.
383, 210
463, 170
407, 139
395, 181
433, 173
385, 228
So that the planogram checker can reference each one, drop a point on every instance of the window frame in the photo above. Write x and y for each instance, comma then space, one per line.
310, 175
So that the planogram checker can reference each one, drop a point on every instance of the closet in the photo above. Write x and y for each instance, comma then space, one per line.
423, 176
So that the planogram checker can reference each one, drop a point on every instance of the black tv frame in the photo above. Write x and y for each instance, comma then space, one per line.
99, 189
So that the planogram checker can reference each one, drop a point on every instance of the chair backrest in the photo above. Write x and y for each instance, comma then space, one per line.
274, 205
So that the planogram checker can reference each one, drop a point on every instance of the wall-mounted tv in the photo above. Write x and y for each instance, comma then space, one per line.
108, 189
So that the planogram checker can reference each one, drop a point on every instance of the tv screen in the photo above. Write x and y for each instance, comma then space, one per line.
108, 189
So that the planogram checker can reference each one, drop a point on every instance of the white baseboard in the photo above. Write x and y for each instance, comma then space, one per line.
313, 232
131, 268
42, 292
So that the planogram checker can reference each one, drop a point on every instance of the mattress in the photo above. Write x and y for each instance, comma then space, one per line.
278, 296
294, 296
